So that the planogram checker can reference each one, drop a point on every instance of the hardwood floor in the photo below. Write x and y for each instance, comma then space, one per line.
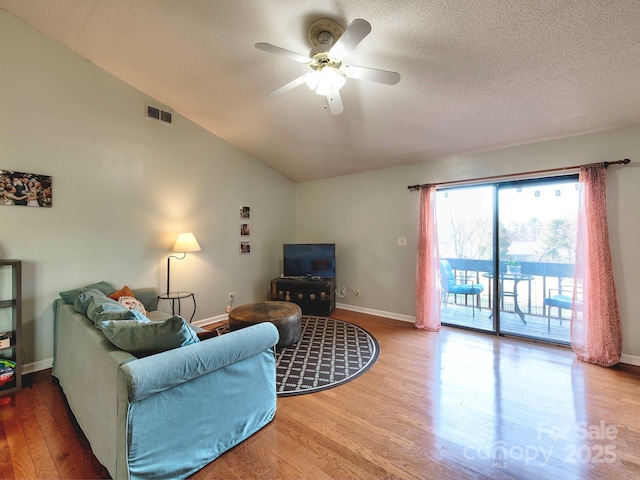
448, 405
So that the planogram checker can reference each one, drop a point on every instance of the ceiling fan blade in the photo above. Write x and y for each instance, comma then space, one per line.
372, 74
288, 86
352, 36
335, 103
267, 47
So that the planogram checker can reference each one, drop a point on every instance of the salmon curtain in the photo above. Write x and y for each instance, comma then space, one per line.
596, 333
427, 288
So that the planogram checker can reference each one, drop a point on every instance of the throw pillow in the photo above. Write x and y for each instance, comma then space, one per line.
132, 304
148, 338
69, 296
123, 292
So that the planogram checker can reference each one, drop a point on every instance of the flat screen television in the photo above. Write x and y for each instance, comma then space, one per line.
313, 260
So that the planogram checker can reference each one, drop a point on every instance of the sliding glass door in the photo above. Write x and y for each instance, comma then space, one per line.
465, 218
537, 244
523, 230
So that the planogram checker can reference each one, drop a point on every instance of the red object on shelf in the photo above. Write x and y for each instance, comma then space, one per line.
6, 377
7, 371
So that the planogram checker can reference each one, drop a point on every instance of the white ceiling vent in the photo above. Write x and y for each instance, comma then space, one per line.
156, 113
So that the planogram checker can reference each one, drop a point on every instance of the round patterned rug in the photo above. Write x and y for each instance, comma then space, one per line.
331, 352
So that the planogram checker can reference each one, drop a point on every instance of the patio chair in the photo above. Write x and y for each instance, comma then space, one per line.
458, 284
562, 299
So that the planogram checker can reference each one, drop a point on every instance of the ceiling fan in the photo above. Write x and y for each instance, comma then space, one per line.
331, 45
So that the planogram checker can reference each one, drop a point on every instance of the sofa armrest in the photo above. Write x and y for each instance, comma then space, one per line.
150, 375
148, 296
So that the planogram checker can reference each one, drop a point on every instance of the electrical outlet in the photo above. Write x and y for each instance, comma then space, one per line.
357, 292
402, 241
230, 297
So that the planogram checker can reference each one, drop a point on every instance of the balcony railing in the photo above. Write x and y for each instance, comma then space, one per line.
531, 293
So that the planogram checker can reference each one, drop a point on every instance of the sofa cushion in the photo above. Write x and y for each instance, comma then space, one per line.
158, 315
142, 338
148, 296
69, 296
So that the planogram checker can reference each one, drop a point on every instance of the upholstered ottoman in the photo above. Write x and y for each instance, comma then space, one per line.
284, 315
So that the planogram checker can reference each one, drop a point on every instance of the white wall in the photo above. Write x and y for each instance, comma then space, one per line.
366, 213
123, 188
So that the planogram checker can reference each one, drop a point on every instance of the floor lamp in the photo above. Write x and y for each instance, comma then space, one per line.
185, 243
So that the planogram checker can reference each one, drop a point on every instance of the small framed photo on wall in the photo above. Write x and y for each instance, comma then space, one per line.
245, 248
245, 212
245, 229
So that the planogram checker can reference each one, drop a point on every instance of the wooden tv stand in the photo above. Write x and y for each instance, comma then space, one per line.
314, 296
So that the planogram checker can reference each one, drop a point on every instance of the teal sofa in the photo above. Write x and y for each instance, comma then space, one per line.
168, 414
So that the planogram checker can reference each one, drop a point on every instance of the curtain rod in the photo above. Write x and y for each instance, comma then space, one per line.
550, 170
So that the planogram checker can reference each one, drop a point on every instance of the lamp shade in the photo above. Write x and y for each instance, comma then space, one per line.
186, 242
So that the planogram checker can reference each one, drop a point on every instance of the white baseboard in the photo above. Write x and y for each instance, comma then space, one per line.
630, 359
377, 313
210, 320
28, 368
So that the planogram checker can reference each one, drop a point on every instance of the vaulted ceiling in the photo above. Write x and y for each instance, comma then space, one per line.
476, 75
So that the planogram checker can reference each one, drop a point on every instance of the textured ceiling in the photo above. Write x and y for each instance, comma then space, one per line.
476, 74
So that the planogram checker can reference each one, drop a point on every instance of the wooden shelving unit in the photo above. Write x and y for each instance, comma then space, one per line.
11, 323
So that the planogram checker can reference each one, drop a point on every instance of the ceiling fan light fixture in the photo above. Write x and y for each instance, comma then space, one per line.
331, 44
311, 79
329, 80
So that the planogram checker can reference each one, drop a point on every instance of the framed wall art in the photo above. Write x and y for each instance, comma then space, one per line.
25, 189
245, 230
